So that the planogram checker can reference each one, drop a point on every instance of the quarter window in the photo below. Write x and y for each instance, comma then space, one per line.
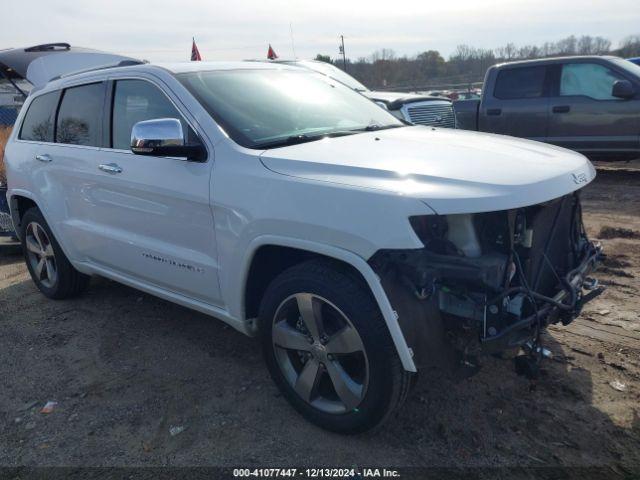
525, 82
80, 115
38, 122
589, 80
135, 101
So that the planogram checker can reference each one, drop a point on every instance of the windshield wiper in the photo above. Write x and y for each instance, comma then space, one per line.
374, 127
304, 138
292, 140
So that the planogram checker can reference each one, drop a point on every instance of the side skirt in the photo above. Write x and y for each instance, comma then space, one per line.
207, 309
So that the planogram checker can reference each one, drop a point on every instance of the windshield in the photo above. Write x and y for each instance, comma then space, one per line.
334, 72
269, 108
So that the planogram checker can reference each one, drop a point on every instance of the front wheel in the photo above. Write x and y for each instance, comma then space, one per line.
329, 350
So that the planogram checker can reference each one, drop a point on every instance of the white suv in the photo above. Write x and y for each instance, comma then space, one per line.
287, 205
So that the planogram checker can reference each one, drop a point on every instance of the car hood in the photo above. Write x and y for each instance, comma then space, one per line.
452, 171
395, 100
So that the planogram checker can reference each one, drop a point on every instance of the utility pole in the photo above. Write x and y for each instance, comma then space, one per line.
341, 49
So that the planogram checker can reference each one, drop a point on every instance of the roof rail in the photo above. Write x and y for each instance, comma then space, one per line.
45, 47
122, 63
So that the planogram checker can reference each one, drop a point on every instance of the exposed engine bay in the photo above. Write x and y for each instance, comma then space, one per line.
490, 282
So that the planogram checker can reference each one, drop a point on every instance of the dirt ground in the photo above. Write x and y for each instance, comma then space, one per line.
126, 369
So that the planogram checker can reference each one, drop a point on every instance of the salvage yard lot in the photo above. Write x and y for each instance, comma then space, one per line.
140, 381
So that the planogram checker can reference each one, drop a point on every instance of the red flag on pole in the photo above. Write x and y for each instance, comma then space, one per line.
195, 53
271, 53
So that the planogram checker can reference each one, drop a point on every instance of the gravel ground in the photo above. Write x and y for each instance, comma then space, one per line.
140, 381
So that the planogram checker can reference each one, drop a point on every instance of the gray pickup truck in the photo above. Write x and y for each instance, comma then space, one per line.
589, 104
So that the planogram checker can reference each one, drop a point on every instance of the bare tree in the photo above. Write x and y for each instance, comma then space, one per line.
601, 45
630, 46
468, 63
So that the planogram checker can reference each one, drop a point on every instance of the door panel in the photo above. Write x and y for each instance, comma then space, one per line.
148, 218
66, 182
584, 116
153, 222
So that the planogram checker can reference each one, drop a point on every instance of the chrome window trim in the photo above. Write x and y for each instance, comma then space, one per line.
56, 144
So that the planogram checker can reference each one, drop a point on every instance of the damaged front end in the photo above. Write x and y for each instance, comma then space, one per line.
489, 282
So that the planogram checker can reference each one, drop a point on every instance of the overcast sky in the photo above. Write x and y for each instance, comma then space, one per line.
160, 30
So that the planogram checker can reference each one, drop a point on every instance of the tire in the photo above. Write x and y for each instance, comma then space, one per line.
57, 279
375, 384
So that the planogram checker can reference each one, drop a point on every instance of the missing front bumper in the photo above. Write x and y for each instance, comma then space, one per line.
563, 307
533, 269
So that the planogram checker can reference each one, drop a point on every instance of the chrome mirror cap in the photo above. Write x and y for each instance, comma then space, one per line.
164, 137
152, 136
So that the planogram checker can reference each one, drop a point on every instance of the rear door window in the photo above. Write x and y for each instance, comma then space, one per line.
589, 80
525, 82
138, 100
39, 120
80, 115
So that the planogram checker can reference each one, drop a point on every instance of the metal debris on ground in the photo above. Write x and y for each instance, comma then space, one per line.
49, 407
618, 385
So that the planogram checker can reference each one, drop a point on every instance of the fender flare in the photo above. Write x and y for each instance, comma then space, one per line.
19, 192
357, 262
12, 194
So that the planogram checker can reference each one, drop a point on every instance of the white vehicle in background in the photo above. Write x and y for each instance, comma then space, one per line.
359, 249
414, 108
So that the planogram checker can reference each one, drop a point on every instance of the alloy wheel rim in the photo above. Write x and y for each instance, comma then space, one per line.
320, 353
40, 254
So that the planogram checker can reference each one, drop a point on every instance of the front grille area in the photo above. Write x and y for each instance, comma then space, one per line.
427, 113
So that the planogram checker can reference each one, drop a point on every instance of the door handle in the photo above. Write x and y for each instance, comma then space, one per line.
110, 168
561, 109
494, 111
44, 157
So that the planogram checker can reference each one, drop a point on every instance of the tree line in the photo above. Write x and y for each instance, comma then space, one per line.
468, 64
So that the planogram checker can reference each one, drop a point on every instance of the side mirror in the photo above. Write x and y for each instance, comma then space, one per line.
163, 137
623, 89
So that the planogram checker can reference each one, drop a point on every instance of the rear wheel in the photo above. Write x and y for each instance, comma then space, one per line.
329, 350
50, 269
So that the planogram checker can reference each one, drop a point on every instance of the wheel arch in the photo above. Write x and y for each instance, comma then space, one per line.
19, 203
22, 200
263, 265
